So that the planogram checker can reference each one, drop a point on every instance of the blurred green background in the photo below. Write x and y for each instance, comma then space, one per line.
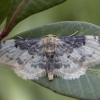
13, 87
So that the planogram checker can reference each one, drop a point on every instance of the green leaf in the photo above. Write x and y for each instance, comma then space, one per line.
4, 9
22, 9
87, 86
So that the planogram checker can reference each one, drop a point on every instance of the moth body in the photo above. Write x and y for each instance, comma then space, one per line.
50, 43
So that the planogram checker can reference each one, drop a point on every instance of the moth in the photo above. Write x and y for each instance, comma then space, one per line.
67, 57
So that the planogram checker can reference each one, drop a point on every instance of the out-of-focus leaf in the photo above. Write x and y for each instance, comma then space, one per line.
4, 9
87, 86
22, 9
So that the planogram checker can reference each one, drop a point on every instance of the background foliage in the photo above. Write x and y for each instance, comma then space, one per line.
14, 88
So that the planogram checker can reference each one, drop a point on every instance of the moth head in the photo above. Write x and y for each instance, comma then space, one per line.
50, 35
50, 39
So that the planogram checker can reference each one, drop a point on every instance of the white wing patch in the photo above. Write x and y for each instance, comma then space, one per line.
31, 69
66, 57
90, 52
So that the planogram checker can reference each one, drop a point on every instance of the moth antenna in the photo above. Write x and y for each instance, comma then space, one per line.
74, 33
19, 37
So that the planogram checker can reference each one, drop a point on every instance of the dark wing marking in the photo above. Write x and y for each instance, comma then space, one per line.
78, 54
23, 57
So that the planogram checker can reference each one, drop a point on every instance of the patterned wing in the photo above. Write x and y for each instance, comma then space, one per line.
23, 57
75, 54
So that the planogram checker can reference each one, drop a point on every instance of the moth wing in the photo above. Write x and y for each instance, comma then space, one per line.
68, 68
34, 68
89, 52
75, 63
26, 65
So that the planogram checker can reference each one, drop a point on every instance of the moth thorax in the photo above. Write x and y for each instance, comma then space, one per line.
50, 43
50, 48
